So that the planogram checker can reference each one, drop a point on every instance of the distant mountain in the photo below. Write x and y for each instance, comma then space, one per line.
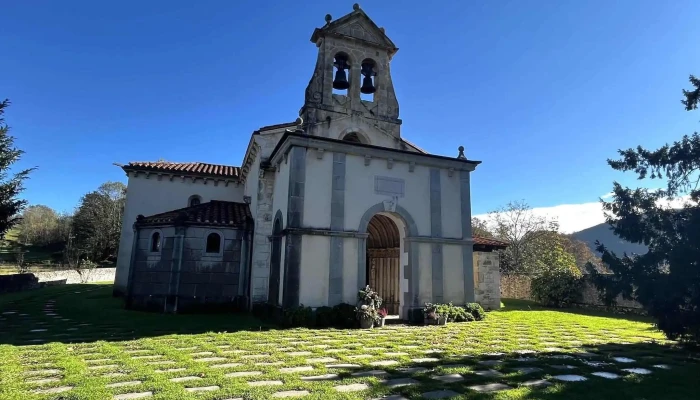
604, 234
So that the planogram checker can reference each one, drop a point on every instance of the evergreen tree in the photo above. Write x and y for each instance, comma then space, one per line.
10, 184
666, 280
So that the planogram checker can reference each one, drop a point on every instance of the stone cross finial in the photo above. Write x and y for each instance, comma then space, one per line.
461, 155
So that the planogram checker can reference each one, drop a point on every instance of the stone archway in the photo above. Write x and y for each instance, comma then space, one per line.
408, 254
383, 261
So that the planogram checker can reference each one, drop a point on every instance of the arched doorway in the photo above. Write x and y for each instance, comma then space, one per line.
383, 261
273, 294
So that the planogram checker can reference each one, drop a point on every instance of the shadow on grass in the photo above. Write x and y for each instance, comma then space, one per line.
677, 381
88, 313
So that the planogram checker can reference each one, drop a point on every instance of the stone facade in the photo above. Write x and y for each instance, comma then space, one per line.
487, 280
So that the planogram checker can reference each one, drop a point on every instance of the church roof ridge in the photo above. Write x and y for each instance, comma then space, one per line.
212, 213
192, 167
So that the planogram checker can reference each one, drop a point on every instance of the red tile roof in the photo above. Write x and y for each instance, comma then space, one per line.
189, 168
213, 213
490, 242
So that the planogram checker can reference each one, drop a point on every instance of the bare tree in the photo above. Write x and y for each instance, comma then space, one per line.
525, 233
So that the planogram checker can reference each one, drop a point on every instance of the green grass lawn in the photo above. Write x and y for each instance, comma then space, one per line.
94, 349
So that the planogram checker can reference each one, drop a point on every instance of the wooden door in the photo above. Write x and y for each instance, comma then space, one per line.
384, 277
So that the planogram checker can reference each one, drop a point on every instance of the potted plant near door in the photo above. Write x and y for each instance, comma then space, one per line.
432, 315
368, 303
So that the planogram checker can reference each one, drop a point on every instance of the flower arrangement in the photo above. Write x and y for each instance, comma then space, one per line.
383, 313
367, 309
432, 314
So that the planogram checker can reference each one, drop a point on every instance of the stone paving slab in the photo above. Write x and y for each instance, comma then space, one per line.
383, 363
440, 394
375, 372
569, 378
227, 365
489, 387
400, 382
292, 370
41, 381
291, 393
122, 384
449, 378
299, 353
606, 375
528, 370
353, 387
322, 360
425, 360
185, 379
413, 370
202, 389
132, 396
537, 383
242, 374
624, 360
54, 390
490, 373
325, 377
265, 383
638, 371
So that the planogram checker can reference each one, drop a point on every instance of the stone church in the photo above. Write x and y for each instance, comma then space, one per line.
318, 208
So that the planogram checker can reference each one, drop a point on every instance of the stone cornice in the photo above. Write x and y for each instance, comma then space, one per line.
292, 139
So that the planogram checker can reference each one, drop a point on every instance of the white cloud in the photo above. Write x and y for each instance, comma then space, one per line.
571, 217
576, 217
607, 195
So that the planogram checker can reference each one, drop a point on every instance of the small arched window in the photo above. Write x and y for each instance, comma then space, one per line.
352, 137
155, 242
194, 200
213, 243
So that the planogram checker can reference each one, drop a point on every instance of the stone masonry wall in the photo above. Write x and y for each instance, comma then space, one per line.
72, 276
487, 280
261, 241
518, 287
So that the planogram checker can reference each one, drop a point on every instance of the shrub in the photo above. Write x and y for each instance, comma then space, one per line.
557, 287
344, 316
454, 313
476, 311
297, 316
324, 317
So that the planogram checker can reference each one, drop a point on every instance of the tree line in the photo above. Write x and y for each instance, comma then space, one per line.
90, 233
534, 242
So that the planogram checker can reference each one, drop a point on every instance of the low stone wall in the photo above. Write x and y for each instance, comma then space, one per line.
518, 287
72, 276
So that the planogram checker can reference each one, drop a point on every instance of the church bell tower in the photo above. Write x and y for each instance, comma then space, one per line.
350, 95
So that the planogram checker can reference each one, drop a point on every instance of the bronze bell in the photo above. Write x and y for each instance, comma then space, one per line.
341, 80
367, 86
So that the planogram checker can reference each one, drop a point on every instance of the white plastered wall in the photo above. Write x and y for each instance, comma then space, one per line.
149, 195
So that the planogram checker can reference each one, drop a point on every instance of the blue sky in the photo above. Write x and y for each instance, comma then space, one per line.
541, 91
